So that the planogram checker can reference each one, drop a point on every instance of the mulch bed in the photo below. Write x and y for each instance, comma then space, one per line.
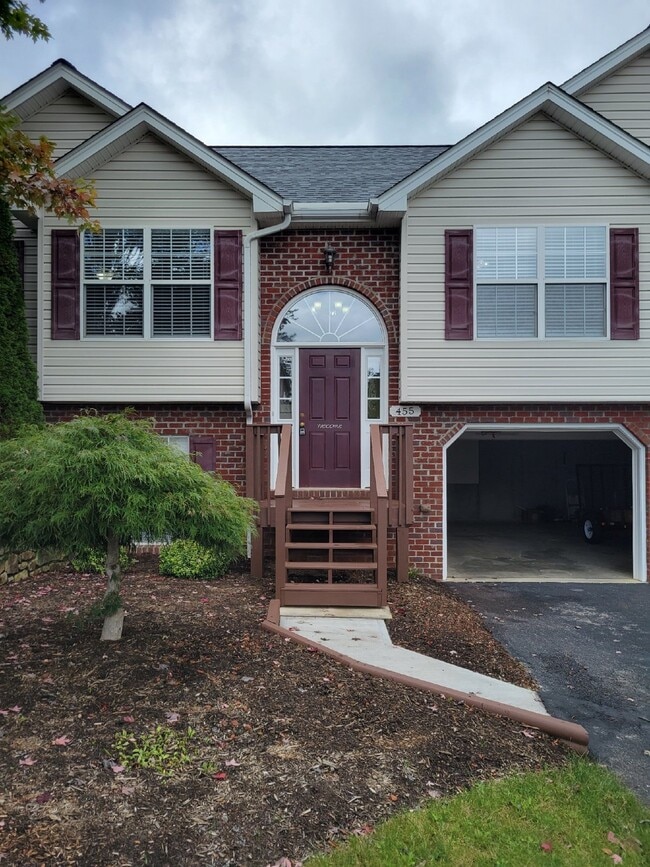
292, 751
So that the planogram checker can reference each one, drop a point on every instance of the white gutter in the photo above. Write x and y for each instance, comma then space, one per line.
250, 347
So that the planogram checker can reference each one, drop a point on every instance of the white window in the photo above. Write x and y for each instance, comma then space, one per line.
180, 443
549, 281
148, 283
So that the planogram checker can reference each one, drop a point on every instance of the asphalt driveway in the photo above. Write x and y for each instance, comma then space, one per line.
588, 646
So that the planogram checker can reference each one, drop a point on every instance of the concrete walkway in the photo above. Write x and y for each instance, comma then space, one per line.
366, 640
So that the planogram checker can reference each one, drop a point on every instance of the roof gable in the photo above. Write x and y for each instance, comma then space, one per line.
100, 148
50, 84
567, 111
603, 67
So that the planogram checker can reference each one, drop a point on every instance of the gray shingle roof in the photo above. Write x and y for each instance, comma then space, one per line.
331, 174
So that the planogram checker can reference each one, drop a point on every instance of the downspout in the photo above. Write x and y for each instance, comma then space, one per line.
250, 357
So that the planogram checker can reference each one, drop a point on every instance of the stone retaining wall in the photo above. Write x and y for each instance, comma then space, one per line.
17, 567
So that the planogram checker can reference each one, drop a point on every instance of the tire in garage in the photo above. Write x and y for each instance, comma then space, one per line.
592, 529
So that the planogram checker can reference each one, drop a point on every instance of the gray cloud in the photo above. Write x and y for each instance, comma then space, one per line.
325, 71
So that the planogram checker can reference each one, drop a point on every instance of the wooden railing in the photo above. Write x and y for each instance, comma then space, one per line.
379, 505
283, 502
258, 482
400, 472
391, 489
399, 461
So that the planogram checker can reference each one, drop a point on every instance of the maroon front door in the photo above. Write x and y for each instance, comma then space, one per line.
329, 436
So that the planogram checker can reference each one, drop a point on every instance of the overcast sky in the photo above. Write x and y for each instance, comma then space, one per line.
324, 71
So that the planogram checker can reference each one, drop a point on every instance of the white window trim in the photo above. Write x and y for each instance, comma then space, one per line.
541, 283
147, 305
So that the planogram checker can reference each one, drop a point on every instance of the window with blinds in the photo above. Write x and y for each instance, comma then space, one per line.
506, 287
551, 279
148, 283
114, 310
181, 311
181, 271
576, 257
575, 310
506, 310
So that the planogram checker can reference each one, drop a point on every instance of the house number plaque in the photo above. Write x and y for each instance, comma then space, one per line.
406, 411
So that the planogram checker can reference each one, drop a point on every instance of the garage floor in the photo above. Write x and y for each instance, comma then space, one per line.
534, 552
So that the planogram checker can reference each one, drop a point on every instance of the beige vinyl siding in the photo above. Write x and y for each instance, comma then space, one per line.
151, 181
150, 184
539, 174
22, 233
624, 97
67, 121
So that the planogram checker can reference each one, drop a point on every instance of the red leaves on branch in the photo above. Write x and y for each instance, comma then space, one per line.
28, 179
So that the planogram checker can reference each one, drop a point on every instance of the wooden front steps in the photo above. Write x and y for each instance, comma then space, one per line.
331, 555
331, 544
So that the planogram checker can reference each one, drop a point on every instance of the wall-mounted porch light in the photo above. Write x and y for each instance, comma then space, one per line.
329, 255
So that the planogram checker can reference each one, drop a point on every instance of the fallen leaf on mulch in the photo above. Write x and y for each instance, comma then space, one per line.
28, 761
62, 741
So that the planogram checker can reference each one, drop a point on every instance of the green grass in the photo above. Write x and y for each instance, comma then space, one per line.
504, 823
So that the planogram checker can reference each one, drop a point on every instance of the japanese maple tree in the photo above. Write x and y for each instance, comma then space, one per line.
106, 481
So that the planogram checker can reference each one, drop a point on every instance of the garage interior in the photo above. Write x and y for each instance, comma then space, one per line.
520, 505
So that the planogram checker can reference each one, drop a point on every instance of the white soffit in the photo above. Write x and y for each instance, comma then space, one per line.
608, 64
549, 99
44, 88
104, 145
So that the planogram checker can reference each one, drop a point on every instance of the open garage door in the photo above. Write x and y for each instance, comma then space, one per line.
549, 502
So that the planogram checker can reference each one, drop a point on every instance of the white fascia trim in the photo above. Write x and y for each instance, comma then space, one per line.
148, 119
608, 64
110, 103
546, 97
403, 312
334, 211
639, 481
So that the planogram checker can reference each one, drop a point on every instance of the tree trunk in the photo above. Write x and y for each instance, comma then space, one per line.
112, 629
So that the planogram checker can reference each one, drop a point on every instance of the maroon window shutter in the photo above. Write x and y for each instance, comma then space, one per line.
19, 246
624, 283
65, 284
203, 452
227, 285
459, 284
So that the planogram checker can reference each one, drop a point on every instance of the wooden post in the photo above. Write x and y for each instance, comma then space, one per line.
379, 504
402, 539
283, 502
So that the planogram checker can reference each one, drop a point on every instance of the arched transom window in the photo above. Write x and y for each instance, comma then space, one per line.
330, 316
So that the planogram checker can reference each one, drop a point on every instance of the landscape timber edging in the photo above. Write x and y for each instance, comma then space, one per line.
573, 734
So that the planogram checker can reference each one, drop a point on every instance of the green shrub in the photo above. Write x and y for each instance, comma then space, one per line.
186, 559
94, 560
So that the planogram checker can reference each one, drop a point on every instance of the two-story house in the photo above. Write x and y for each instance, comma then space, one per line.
375, 342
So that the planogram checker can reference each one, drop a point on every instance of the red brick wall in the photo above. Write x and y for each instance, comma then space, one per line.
291, 262
226, 423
